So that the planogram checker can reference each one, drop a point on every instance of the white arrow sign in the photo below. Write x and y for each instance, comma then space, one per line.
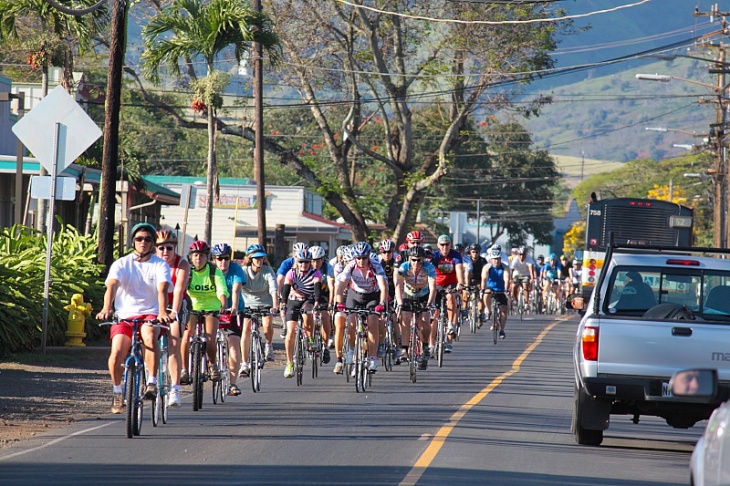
38, 127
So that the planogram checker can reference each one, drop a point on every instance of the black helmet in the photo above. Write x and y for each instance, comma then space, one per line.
416, 252
475, 247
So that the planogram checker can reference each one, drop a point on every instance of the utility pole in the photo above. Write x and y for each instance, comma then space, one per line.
258, 126
721, 234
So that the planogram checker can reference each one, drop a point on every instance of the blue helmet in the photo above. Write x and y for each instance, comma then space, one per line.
256, 250
148, 227
221, 249
552, 256
303, 255
361, 249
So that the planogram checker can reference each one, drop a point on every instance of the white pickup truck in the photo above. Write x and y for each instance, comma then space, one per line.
654, 311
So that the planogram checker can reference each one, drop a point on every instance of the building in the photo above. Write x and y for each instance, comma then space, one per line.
293, 214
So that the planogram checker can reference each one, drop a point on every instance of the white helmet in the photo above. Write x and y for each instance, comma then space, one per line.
495, 253
317, 252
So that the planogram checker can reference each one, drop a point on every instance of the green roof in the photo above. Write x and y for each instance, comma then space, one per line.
162, 179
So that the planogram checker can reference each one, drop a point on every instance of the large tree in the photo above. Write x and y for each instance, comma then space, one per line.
188, 30
382, 58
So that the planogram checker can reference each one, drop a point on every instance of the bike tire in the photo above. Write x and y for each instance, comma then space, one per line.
413, 355
163, 379
225, 381
358, 363
495, 323
440, 340
197, 376
139, 402
474, 313
254, 357
299, 357
130, 381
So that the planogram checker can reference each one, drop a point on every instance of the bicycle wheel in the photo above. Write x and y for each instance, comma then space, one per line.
521, 303
473, 312
138, 401
314, 352
413, 354
345, 350
440, 341
130, 396
197, 376
163, 379
225, 381
359, 363
256, 359
389, 348
299, 356
495, 320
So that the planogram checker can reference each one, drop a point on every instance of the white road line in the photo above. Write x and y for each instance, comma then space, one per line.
54, 441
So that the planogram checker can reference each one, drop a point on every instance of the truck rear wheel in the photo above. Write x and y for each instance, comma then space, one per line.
589, 411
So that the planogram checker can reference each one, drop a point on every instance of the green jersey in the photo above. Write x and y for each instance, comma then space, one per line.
205, 288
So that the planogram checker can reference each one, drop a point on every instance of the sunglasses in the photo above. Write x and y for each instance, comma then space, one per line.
163, 248
444, 244
223, 258
416, 260
305, 261
146, 239
362, 258
384, 252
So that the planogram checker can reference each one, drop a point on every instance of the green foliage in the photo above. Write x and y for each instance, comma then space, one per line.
74, 270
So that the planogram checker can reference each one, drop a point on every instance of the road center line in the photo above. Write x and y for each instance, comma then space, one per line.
443, 433
54, 441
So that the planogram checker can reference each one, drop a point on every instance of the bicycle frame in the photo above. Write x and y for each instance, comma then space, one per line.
198, 359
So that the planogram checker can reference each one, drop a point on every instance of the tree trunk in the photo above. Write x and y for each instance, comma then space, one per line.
211, 177
111, 133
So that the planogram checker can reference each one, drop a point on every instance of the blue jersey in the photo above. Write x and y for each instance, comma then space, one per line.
495, 277
285, 266
235, 274
551, 271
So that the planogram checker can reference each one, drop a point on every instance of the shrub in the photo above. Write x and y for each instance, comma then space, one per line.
74, 270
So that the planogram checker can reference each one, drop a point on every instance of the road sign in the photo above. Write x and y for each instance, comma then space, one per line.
37, 128
40, 188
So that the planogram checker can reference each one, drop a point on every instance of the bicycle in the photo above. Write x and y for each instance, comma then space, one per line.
496, 320
390, 343
256, 350
363, 377
415, 347
300, 347
135, 374
160, 408
220, 387
472, 306
198, 361
315, 349
442, 323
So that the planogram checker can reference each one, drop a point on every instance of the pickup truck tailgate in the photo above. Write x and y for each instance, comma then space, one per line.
659, 348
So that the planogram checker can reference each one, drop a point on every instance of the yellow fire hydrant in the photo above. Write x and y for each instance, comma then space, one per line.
77, 312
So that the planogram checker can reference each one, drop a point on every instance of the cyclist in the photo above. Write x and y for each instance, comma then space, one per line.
326, 297
449, 275
367, 288
284, 268
565, 274
523, 274
576, 274
386, 248
474, 275
550, 278
496, 278
235, 280
136, 287
415, 280
302, 290
180, 273
259, 290
208, 292
340, 318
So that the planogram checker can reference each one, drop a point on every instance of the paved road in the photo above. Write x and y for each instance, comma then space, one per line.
492, 415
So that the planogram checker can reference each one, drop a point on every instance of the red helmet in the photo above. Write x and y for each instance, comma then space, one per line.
414, 236
199, 246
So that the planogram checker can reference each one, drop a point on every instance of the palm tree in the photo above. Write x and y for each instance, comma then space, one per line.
51, 37
203, 29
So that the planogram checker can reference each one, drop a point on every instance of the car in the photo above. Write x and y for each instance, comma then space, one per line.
710, 462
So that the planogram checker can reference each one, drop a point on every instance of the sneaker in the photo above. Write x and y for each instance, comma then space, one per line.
338, 368
233, 391
381, 350
451, 329
215, 373
502, 335
353, 372
448, 348
350, 356
244, 371
282, 335
269, 352
117, 403
426, 353
184, 377
289, 370
373, 364
174, 400
423, 363
326, 356
150, 393
399, 355
331, 343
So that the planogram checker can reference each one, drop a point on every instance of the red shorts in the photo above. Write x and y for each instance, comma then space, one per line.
126, 328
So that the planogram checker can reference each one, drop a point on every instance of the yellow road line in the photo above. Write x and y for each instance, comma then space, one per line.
443, 433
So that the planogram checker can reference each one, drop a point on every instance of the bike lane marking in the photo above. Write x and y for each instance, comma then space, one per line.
439, 439
54, 441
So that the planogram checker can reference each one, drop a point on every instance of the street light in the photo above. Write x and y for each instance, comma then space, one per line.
18, 156
665, 78
677, 130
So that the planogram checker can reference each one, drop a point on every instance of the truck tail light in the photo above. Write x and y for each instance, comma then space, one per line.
589, 340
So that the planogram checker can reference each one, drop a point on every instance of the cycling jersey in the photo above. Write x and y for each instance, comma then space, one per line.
173, 275
259, 288
495, 277
235, 275
446, 267
285, 266
520, 268
328, 273
138, 285
475, 275
205, 288
389, 268
302, 283
415, 284
362, 282
551, 272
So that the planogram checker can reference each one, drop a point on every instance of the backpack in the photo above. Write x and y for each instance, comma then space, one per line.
670, 311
